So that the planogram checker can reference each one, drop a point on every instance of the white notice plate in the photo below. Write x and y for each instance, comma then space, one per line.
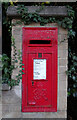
39, 69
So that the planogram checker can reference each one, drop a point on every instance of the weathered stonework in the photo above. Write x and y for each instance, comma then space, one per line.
46, 11
62, 77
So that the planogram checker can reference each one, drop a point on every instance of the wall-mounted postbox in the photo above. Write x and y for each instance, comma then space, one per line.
39, 83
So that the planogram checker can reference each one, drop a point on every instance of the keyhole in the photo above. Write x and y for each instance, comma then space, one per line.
32, 83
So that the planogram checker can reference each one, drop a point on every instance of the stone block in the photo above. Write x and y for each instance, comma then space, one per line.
11, 108
63, 104
46, 11
33, 24
52, 25
62, 39
17, 33
4, 112
63, 31
62, 77
12, 115
63, 85
0, 107
63, 54
58, 114
62, 69
63, 46
62, 92
5, 87
18, 44
16, 71
5, 107
18, 91
18, 38
62, 62
0, 100
0, 115
11, 99
62, 100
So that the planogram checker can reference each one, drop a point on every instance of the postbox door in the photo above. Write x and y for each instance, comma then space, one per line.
39, 91
39, 81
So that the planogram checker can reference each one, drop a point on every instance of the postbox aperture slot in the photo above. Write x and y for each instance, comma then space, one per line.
39, 43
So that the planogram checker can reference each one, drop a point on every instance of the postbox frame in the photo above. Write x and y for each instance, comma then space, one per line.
25, 52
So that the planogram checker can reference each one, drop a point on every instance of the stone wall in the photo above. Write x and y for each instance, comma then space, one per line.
62, 67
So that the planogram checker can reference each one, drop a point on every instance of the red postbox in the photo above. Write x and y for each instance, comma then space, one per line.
39, 83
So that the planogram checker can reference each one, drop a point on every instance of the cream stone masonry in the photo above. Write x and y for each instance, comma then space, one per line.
14, 108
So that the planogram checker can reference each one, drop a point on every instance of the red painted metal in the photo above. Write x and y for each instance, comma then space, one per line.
39, 95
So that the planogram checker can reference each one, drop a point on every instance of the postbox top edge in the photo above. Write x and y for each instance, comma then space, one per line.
40, 28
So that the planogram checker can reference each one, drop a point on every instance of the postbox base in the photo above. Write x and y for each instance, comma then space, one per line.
41, 109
